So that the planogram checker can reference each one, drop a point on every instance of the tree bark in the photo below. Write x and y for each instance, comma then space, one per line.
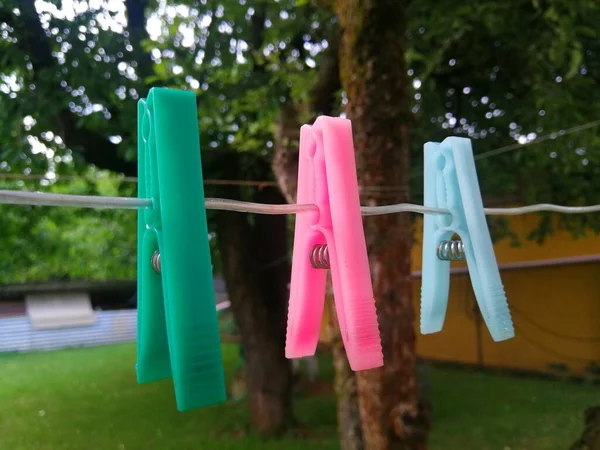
256, 270
136, 25
285, 157
373, 74
346, 389
285, 168
590, 438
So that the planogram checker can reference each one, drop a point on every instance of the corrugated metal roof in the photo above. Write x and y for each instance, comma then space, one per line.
18, 335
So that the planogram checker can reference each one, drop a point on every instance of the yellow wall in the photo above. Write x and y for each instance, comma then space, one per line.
555, 308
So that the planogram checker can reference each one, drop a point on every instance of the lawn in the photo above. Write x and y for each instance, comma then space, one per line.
87, 399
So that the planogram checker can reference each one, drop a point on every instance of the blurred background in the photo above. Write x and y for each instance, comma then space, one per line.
519, 78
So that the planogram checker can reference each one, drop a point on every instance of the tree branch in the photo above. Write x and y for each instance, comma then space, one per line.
93, 146
323, 93
285, 157
136, 25
287, 133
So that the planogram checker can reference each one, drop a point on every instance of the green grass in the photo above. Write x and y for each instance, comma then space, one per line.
87, 399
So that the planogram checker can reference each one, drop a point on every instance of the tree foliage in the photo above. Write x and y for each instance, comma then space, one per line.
71, 73
503, 73
498, 72
71, 77
47, 243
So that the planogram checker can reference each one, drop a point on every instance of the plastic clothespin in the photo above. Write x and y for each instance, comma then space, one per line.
178, 332
451, 183
331, 237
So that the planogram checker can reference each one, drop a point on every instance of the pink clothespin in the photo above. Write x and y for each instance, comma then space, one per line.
331, 237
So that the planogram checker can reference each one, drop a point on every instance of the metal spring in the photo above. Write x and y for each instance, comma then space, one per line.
452, 250
319, 257
156, 261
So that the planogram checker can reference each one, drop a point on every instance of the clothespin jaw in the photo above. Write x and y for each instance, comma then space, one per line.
178, 332
327, 178
451, 183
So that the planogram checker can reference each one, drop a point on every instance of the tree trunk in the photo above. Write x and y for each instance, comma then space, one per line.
590, 438
136, 25
285, 167
373, 74
256, 270
285, 158
346, 389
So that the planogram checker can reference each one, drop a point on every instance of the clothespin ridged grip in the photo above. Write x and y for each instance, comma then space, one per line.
178, 332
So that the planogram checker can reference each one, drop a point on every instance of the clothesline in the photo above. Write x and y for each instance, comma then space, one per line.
537, 140
264, 183
99, 202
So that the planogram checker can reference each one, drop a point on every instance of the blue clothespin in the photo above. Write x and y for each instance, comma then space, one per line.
451, 183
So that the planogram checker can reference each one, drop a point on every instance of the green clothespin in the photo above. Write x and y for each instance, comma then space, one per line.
178, 332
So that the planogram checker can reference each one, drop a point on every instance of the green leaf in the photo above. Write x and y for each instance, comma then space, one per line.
575, 64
